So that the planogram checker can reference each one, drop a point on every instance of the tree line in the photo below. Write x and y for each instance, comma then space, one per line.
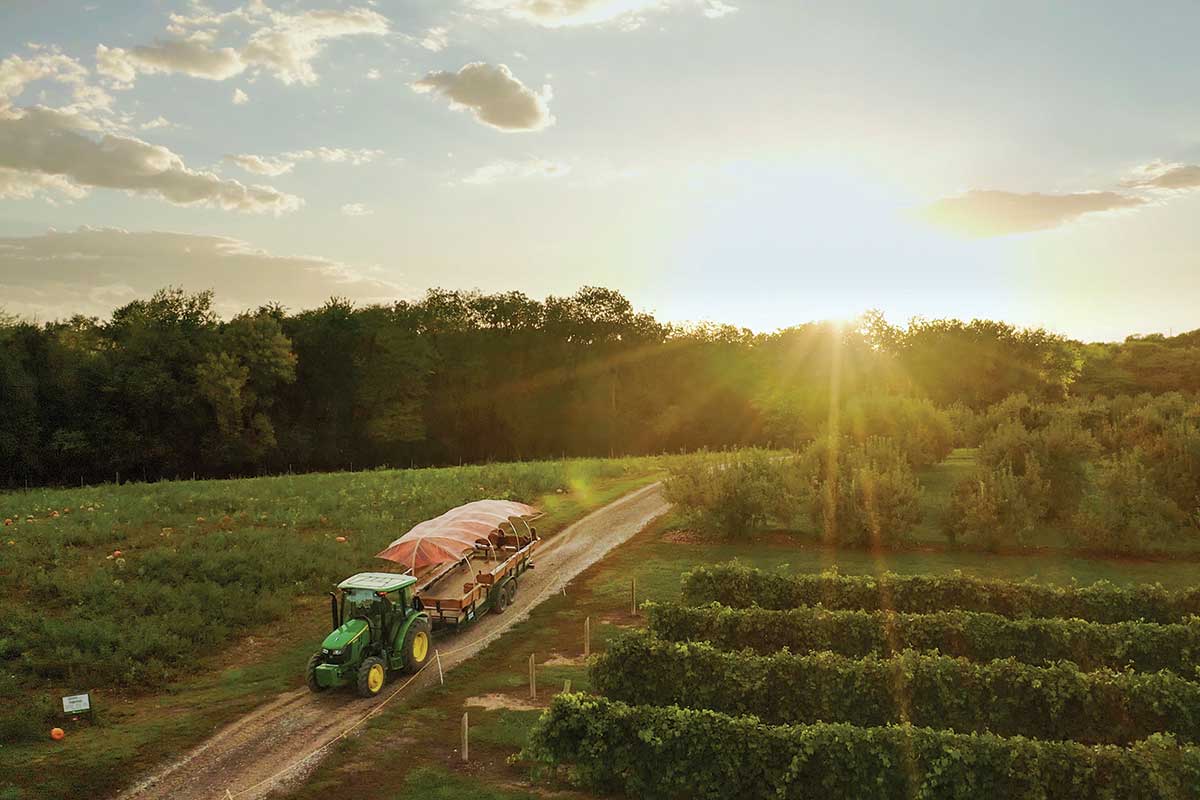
164, 387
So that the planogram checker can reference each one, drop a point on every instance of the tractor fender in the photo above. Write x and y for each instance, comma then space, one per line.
402, 631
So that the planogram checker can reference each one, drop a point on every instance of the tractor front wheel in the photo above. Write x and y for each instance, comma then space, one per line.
417, 645
371, 675
310, 672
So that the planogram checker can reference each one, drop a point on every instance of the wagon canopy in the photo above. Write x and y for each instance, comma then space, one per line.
455, 533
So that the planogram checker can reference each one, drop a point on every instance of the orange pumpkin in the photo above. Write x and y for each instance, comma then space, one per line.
57, 733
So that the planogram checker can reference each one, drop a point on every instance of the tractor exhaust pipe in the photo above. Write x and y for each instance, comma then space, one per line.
333, 609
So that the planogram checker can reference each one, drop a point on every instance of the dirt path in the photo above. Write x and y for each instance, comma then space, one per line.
278, 744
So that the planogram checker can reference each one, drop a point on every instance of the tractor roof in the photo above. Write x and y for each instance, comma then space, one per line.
378, 581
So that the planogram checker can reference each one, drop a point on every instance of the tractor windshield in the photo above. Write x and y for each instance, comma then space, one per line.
360, 603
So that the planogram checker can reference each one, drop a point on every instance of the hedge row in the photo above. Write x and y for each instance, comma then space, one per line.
740, 586
1004, 697
977, 636
668, 753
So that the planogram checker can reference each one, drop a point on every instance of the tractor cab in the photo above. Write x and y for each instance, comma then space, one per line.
375, 628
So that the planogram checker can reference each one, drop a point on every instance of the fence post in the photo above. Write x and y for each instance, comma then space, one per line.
532, 677
466, 743
633, 595
567, 686
437, 654
587, 637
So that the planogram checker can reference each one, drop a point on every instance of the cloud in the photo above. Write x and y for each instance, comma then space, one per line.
278, 165
516, 170
260, 165
373, 74
995, 213
287, 47
1161, 175
158, 122
493, 94
45, 142
284, 45
565, 13
240, 98
436, 39
191, 57
356, 210
16, 73
93, 270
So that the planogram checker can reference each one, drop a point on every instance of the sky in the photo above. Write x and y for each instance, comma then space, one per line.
756, 162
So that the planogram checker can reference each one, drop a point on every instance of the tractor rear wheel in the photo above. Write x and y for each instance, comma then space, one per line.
310, 672
417, 645
371, 675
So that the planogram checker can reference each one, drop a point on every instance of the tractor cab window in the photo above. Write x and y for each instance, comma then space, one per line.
361, 603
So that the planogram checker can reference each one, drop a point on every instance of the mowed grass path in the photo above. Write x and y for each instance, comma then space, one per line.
216, 602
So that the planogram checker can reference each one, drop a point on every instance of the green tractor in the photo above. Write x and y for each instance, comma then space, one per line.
377, 627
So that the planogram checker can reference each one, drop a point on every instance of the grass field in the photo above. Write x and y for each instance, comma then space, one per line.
145, 721
252, 549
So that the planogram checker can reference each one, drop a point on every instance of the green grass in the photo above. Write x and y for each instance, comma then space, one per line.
261, 558
431, 783
939, 481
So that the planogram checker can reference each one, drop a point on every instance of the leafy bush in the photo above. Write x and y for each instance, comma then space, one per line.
1003, 696
730, 493
996, 508
740, 586
922, 432
977, 636
1055, 456
860, 493
1125, 512
654, 752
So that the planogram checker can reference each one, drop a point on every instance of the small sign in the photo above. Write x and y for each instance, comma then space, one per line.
77, 703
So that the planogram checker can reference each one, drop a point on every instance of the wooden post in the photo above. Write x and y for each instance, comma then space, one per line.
633, 596
587, 637
567, 686
532, 677
437, 655
466, 744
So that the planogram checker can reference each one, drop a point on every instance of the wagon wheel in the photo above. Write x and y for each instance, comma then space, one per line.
501, 601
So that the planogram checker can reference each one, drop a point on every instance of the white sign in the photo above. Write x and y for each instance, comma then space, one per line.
74, 703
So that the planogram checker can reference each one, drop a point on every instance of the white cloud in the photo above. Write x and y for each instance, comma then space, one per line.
436, 39
335, 155
994, 213
16, 73
191, 57
260, 165
158, 122
284, 45
373, 74
44, 142
565, 13
493, 94
288, 46
278, 165
240, 98
356, 210
93, 270
516, 170
1165, 176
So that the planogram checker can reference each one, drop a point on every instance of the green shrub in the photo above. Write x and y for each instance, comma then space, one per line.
1003, 696
1125, 511
740, 586
731, 493
996, 508
860, 493
670, 753
922, 432
1141, 646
